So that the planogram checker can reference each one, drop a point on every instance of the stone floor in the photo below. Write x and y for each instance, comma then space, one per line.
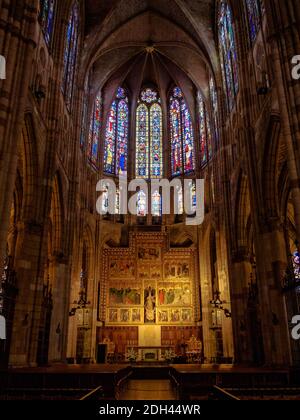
151, 390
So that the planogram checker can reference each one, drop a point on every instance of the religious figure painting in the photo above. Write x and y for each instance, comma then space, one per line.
124, 296
150, 298
113, 315
149, 253
122, 268
175, 315
136, 315
124, 315
163, 316
178, 295
186, 315
177, 270
144, 271
155, 272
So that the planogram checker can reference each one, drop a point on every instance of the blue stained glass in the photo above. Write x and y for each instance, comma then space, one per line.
182, 135
121, 93
84, 114
188, 139
177, 93
149, 96
156, 141
142, 142
209, 137
254, 18
176, 137
122, 141
228, 54
94, 133
70, 55
215, 108
116, 135
46, 18
149, 131
202, 126
193, 195
110, 140
156, 204
142, 204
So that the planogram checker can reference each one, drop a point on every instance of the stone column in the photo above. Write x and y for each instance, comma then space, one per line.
28, 304
240, 276
271, 258
17, 45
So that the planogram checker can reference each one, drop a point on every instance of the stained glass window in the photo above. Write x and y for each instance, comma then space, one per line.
94, 133
46, 18
182, 135
116, 135
70, 55
156, 204
228, 54
142, 204
117, 203
254, 17
84, 114
214, 106
203, 132
149, 162
149, 96
296, 264
193, 195
105, 201
179, 207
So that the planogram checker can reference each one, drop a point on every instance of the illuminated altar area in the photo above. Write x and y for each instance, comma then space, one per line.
148, 297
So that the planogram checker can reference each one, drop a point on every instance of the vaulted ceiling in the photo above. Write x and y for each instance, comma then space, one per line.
121, 35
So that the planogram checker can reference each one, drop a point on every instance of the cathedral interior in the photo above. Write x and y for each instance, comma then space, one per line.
199, 93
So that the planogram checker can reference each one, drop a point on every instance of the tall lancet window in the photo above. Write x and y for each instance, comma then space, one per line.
46, 18
94, 133
116, 135
182, 135
70, 54
149, 154
84, 114
214, 108
254, 17
205, 131
228, 54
